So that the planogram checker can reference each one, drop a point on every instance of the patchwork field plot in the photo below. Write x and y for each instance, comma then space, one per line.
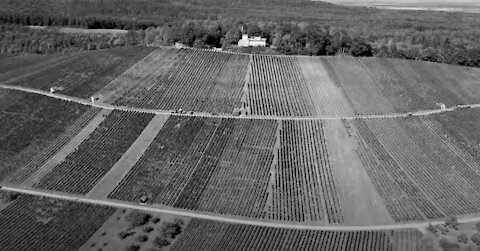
304, 188
46, 224
276, 87
83, 168
80, 74
33, 126
422, 163
192, 80
211, 235
199, 163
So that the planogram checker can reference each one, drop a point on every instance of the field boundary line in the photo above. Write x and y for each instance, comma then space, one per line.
226, 219
205, 114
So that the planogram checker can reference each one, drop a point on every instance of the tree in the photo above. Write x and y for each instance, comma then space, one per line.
431, 228
361, 48
161, 242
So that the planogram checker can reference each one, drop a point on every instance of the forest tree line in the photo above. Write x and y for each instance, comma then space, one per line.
437, 37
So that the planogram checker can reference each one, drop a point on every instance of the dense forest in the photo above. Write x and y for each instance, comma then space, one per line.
290, 26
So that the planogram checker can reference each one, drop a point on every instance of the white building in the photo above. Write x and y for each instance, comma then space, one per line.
252, 41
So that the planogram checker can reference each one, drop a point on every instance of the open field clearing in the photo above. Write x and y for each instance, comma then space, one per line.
34, 127
193, 80
79, 74
94, 157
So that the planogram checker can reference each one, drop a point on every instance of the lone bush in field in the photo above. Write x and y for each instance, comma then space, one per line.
148, 229
431, 228
452, 222
141, 238
171, 229
124, 235
476, 238
161, 242
445, 245
137, 218
132, 248
463, 237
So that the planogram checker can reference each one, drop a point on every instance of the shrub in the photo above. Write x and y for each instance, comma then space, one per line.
124, 235
431, 228
476, 238
463, 237
141, 238
161, 242
137, 218
445, 245
148, 229
133, 248
156, 220
171, 229
452, 222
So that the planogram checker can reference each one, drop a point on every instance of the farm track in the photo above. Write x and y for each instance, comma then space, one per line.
202, 114
227, 219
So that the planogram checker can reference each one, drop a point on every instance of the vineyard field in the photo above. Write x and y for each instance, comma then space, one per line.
304, 188
83, 168
211, 235
36, 223
30, 125
80, 74
192, 80
198, 163
423, 163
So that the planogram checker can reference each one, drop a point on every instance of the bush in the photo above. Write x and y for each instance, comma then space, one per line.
124, 235
161, 242
137, 218
156, 220
171, 229
445, 245
476, 238
141, 238
452, 222
463, 237
431, 228
133, 248
148, 229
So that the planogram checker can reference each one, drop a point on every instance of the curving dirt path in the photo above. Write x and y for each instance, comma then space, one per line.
204, 114
222, 218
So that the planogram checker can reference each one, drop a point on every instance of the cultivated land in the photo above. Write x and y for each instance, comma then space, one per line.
337, 143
